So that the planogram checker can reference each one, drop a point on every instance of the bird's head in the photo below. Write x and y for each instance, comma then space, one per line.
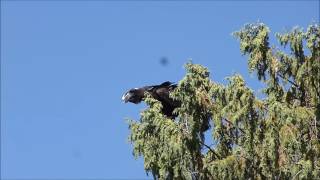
133, 95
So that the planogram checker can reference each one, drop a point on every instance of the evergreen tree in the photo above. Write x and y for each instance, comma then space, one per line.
277, 137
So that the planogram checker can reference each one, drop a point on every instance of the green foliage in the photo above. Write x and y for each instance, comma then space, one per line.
277, 137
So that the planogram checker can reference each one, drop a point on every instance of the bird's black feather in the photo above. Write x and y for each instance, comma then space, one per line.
160, 92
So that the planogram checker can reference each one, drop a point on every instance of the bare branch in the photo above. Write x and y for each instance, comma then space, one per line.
291, 82
211, 150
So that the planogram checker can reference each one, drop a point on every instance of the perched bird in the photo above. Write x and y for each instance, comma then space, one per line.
160, 92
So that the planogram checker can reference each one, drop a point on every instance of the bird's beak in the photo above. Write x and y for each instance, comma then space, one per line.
126, 97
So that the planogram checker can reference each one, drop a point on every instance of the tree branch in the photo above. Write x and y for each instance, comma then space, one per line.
291, 82
211, 150
294, 177
318, 93
229, 122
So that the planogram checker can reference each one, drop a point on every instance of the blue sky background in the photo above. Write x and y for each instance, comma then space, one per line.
65, 66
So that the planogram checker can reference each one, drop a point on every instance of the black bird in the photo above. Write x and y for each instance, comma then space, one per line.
160, 92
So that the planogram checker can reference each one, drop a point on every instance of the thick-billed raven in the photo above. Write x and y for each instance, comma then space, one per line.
160, 92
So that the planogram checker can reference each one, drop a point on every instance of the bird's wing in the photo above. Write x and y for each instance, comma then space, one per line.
163, 96
161, 93
167, 83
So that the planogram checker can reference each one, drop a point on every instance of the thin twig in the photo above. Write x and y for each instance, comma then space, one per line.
210, 149
294, 177
233, 124
291, 82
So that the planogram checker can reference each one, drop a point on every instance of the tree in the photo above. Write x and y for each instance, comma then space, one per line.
277, 137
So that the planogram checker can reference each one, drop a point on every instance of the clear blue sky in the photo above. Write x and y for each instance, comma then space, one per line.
65, 66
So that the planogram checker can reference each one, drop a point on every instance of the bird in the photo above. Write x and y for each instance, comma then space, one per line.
159, 92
